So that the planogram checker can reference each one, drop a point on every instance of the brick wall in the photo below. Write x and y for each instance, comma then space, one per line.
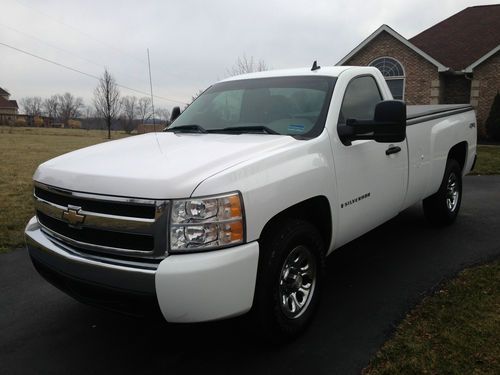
485, 85
422, 84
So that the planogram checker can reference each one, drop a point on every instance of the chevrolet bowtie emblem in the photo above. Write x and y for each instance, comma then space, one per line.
72, 216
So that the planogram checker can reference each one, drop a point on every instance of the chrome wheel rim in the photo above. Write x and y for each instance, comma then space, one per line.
452, 192
297, 282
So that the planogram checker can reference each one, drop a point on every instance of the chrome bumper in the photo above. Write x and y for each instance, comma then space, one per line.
91, 281
183, 288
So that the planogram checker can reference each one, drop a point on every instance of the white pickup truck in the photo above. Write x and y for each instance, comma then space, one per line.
235, 206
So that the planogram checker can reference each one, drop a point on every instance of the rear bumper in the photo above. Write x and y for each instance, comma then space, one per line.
185, 288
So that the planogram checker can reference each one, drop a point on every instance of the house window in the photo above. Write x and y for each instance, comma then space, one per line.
393, 73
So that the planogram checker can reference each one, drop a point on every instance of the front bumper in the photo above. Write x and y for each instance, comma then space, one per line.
185, 288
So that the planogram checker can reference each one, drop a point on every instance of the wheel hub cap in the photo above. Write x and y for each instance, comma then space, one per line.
452, 193
297, 282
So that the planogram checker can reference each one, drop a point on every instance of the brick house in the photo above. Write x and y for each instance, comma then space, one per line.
8, 109
454, 61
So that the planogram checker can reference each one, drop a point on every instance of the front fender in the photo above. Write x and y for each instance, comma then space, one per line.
278, 180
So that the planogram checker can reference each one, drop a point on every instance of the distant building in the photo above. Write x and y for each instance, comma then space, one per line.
8, 109
454, 61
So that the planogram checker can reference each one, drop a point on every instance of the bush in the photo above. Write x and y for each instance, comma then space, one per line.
20, 122
493, 122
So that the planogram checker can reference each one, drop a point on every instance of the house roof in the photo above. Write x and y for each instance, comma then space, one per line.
464, 38
4, 103
4, 92
399, 37
471, 67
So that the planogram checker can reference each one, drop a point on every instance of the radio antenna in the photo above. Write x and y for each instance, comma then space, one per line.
151, 89
152, 102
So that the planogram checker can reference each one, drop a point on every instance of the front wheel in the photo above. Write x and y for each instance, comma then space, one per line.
291, 269
442, 208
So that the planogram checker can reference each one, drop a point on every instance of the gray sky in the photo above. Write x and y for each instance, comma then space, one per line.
191, 42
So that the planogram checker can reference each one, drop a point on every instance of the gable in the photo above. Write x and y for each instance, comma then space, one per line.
380, 32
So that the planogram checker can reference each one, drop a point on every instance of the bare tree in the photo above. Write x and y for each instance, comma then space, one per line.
32, 105
144, 108
69, 107
246, 64
163, 114
129, 105
51, 107
125, 124
107, 99
194, 97
88, 111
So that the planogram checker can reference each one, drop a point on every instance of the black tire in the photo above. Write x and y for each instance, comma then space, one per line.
290, 239
441, 208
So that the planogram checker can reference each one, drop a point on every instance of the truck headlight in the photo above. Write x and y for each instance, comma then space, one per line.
199, 224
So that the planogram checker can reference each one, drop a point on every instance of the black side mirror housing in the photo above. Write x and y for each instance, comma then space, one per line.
388, 124
176, 111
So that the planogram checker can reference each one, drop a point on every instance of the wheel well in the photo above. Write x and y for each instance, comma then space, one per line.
459, 153
315, 210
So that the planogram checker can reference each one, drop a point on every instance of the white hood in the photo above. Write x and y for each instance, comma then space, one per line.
161, 166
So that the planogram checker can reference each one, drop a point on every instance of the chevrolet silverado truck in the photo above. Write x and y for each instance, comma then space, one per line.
234, 207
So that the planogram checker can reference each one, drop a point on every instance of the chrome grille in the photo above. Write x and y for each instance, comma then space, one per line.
103, 225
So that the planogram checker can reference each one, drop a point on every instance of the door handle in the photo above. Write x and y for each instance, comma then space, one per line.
392, 150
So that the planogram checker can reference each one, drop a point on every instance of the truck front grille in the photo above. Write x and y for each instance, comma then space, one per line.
146, 211
107, 225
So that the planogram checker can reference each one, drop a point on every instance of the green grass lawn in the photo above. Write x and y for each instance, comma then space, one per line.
454, 331
488, 160
22, 150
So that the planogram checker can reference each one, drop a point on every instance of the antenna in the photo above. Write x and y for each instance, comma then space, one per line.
315, 66
151, 88
152, 103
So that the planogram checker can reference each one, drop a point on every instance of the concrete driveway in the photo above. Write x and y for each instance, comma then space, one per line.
372, 283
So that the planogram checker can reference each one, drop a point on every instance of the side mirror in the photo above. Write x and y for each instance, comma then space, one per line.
176, 111
388, 125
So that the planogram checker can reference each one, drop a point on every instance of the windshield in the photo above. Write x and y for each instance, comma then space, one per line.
294, 106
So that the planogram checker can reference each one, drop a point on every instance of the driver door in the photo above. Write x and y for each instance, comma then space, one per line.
371, 183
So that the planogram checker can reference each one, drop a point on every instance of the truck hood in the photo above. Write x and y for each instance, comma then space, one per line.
157, 166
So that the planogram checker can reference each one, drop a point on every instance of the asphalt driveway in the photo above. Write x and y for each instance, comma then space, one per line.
372, 283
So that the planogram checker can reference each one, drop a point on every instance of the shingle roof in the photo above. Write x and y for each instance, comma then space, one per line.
463, 38
3, 92
4, 103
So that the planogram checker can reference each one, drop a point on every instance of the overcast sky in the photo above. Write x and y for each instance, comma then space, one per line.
192, 42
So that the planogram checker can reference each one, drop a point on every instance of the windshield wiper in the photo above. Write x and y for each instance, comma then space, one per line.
187, 129
247, 129
232, 129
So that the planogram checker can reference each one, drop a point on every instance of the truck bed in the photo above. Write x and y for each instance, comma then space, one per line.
420, 113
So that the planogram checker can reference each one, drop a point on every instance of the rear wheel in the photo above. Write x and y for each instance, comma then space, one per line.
291, 268
442, 208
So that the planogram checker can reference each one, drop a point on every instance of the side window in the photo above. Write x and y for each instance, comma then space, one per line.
361, 97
